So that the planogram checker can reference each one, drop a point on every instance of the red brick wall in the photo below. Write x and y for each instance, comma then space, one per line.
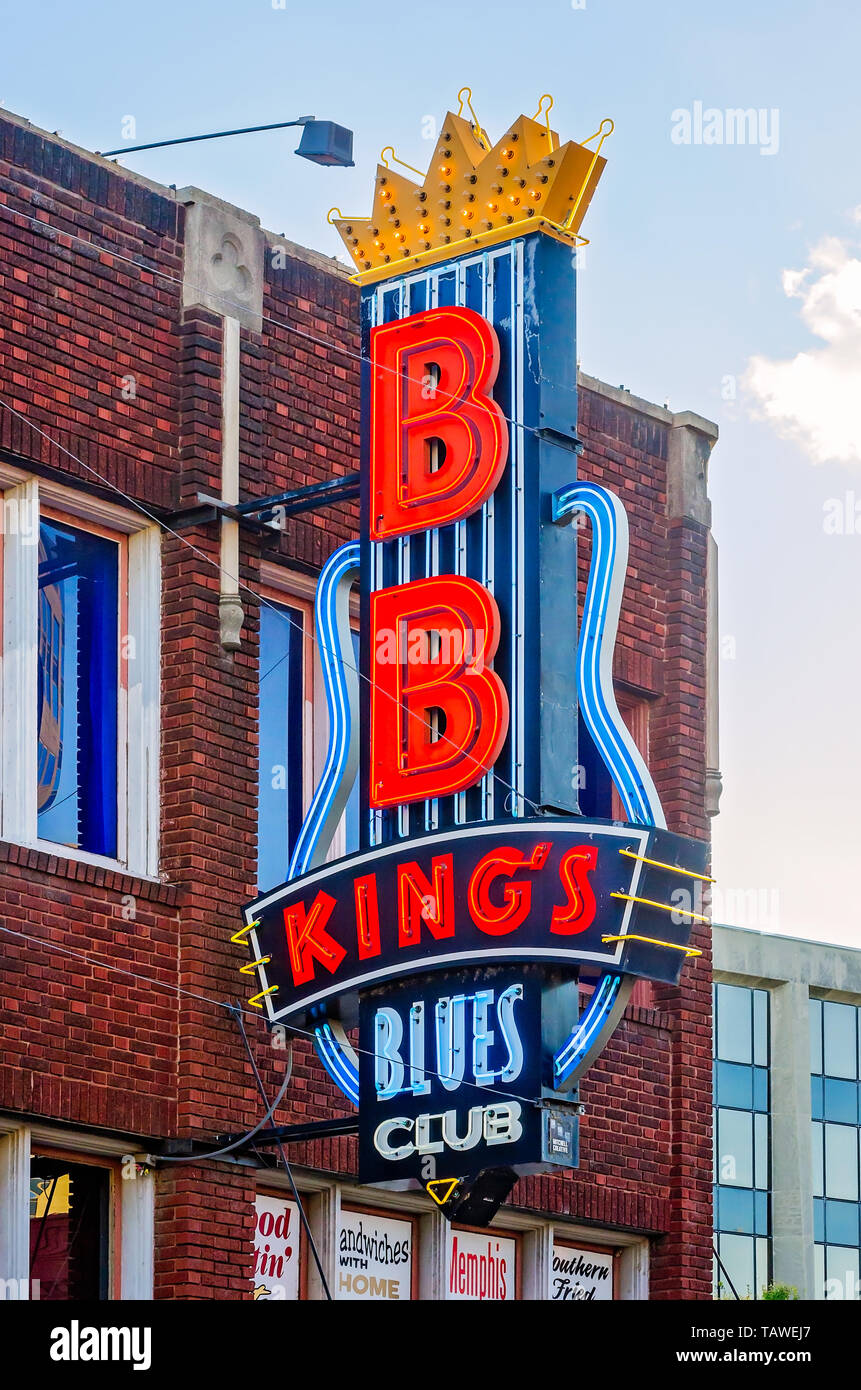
89, 267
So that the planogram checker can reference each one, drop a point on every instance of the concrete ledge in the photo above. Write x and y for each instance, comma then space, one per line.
763, 959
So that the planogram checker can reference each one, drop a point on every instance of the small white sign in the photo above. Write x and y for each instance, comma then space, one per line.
276, 1248
480, 1266
374, 1257
586, 1275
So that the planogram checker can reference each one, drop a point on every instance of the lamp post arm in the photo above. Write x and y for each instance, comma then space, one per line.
215, 135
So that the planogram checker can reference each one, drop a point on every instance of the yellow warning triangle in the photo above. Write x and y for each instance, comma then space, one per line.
448, 1183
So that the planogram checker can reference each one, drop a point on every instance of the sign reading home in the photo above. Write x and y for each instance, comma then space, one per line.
374, 1258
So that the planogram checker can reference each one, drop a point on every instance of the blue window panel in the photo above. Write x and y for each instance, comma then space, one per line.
763, 1273
78, 680
839, 1028
841, 1269
735, 1147
447, 289
760, 1213
841, 1223
816, 1035
737, 1257
817, 1107
735, 1210
734, 1085
818, 1219
817, 1142
280, 799
841, 1101
418, 292
760, 1027
760, 1088
391, 305
841, 1162
760, 1150
734, 1024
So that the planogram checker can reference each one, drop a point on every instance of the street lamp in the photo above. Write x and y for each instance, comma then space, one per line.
323, 142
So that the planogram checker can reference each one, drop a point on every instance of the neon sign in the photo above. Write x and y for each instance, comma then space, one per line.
482, 902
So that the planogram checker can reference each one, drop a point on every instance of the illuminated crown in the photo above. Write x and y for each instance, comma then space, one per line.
475, 194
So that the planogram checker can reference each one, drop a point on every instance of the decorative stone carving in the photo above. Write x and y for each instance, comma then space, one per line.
223, 265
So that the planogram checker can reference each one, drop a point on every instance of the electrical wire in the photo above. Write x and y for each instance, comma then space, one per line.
237, 1012
359, 357
266, 603
237, 1143
293, 1028
238, 305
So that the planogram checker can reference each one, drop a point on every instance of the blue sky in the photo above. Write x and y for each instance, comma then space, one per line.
688, 294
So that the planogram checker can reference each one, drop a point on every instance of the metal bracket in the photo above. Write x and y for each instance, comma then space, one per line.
297, 1134
257, 514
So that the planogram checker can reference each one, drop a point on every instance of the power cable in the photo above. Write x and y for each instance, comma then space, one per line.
237, 1013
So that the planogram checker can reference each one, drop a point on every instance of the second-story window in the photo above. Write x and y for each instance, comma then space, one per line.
282, 743
78, 679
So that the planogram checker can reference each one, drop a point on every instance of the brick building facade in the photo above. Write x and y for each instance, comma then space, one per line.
158, 344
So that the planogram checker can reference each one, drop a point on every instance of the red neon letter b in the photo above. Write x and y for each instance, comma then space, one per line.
438, 440
438, 716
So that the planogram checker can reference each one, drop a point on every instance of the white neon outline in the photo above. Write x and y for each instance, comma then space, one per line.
601, 611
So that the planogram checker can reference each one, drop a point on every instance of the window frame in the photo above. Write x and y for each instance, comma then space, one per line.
114, 1212
138, 690
283, 589
409, 1218
284, 586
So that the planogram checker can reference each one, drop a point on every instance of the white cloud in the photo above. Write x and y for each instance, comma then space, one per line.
814, 398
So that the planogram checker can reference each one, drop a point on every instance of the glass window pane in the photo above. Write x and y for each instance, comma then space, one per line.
735, 1209
78, 679
841, 1101
841, 1273
735, 1148
817, 1103
760, 1027
760, 1213
760, 1088
734, 1032
841, 1048
841, 1223
68, 1229
815, 1035
841, 1162
819, 1271
818, 1219
818, 1163
736, 1254
763, 1277
760, 1150
280, 799
734, 1085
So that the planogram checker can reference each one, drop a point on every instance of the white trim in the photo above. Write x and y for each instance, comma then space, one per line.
137, 1236
144, 702
15, 1208
20, 666
138, 713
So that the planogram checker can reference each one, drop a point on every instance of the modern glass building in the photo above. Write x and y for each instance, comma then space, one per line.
787, 1115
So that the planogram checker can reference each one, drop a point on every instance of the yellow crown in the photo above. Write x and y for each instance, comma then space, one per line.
475, 194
